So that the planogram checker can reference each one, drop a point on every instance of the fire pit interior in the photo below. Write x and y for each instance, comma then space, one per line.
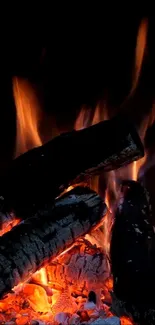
77, 223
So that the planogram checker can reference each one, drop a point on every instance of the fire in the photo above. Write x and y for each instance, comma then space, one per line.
83, 119
28, 114
7, 226
136, 165
139, 52
41, 276
125, 321
138, 168
41, 295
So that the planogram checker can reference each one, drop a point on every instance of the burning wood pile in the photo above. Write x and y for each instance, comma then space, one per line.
53, 267
71, 253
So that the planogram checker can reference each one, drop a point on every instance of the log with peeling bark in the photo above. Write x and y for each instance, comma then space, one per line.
133, 253
41, 174
40, 239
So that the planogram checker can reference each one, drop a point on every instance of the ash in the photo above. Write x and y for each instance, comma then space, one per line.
82, 269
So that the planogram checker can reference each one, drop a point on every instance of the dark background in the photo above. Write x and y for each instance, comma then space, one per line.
77, 59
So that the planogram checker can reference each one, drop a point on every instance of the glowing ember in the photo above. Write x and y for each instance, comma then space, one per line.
126, 321
61, 287
37, 297
7, 226
40, 277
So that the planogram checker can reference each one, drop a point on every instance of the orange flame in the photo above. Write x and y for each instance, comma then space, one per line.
84, 120
125, 321
143, 162
40, 276
140, 52
101, 113
27, 110
110, 198
7, 226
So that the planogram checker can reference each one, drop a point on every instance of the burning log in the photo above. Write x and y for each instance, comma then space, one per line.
133, 253
66, 160
38, 240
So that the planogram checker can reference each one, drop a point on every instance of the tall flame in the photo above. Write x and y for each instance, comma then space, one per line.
85, 119
27, 112
132, 170
140, 52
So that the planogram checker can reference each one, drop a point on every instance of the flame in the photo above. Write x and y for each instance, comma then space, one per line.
41, 276
140, 166
7, 226
111, 196
38, 294
136, 165
85, 117
101, 113
84, 120
27, 111
125, 321
139, 52
37, 297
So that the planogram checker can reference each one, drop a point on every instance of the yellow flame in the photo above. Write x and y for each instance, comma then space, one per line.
42, 276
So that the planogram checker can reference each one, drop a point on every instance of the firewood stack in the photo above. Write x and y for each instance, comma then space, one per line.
50, 225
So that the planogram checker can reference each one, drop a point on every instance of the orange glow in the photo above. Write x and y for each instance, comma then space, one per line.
134, 171
107, 225
37, 297
83, 119
111, 196
87, 118
40, 276
109, 283
28, 114
6, 227
125, 321
135, 167
100, 114
140, 52
42, 298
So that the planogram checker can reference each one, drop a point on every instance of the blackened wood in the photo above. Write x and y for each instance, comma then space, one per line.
132, 252
44, 172
38, 240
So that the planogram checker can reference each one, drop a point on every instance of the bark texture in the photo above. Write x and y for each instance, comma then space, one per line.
67, 159
133, 253
38, 240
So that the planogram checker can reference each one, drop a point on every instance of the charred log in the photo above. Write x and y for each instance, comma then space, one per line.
68, 159
38, 240
132, 253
